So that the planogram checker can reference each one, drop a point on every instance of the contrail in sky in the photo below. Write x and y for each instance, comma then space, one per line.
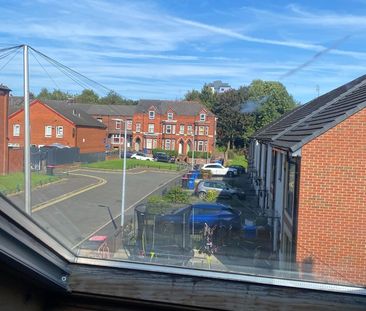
314, 58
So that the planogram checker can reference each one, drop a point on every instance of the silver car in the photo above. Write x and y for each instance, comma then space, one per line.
224, 189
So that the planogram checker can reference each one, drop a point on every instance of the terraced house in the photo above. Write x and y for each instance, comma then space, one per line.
309, 171
173, 125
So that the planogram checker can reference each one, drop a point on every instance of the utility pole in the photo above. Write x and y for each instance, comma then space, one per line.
27, 129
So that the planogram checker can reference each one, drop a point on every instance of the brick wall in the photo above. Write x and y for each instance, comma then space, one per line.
41, 116
4, 105
332, 202
16, 160
160, 120
91, 139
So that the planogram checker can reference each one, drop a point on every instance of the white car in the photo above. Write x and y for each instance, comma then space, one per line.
218, 169
141, 156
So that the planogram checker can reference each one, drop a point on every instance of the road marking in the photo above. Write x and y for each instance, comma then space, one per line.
106, 171
65, 196
131, 206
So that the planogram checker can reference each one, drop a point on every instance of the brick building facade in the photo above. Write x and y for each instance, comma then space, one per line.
4, 106
309, 170
55, 122
173, 125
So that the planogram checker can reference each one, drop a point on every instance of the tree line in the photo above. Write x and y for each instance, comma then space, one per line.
87, 96
243, 111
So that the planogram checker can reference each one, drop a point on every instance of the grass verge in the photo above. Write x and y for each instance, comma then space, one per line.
238, 160
117, 164
15, 182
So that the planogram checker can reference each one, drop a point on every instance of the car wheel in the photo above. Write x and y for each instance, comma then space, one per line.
202, 195
230, 174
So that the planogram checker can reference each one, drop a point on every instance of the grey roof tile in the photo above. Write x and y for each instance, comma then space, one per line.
316, 117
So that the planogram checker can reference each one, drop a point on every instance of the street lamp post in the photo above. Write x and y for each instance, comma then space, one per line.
123, 171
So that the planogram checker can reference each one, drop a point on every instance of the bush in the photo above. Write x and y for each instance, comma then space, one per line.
156, 205
171, 153
177, 195
211, 196
199, 155
231, 154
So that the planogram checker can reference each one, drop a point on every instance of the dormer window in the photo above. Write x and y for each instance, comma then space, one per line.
202, 117
151, 115
170, 115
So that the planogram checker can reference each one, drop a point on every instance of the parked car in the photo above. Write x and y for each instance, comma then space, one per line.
224, 189
163, 157
220, 170
240, 168
141, 156
198, 215
128, 154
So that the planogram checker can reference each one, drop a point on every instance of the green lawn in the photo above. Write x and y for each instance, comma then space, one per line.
117, 164
238, 160
15, 182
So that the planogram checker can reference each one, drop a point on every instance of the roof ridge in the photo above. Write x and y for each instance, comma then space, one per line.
321, 108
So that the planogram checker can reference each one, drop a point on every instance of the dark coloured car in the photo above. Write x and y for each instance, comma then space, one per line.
240, 168
200, 214
128, 154
163, 157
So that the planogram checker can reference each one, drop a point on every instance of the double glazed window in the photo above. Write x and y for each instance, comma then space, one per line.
48, 131
16, 130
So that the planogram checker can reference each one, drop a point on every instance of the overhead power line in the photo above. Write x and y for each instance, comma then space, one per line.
14, 52
77, 77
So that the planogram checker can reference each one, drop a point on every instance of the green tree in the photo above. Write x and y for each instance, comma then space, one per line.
231, 123
192, 95
205, 96
113, 98
55, 95
272, 101
88, 97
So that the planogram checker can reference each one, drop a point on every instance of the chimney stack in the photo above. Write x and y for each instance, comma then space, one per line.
4, 151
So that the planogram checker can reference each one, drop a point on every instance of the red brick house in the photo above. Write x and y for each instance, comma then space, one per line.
173, 125
309, 169
58, 122
4, 106
107, 114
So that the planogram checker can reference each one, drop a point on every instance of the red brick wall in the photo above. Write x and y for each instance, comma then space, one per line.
40, 116
91, 139
16, 160
332, 202
143, 119
4, 102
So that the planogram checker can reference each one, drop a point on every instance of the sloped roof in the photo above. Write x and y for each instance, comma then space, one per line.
184, 108
109, 110
312, 119
4, 88
73, 113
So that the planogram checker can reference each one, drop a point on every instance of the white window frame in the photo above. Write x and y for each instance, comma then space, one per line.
118, 125
200, 146
201, 130
138, 127
170, 115
168, 129
151, 128
206, 130
129, 124
181, 129
167, 143
202, 117
149, 143
189, 129
151, 114
59, 131
16, 130
48, 131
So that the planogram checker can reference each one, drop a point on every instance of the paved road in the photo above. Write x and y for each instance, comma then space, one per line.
70, 209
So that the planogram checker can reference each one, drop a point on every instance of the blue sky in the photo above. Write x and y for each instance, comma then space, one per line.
161, 49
